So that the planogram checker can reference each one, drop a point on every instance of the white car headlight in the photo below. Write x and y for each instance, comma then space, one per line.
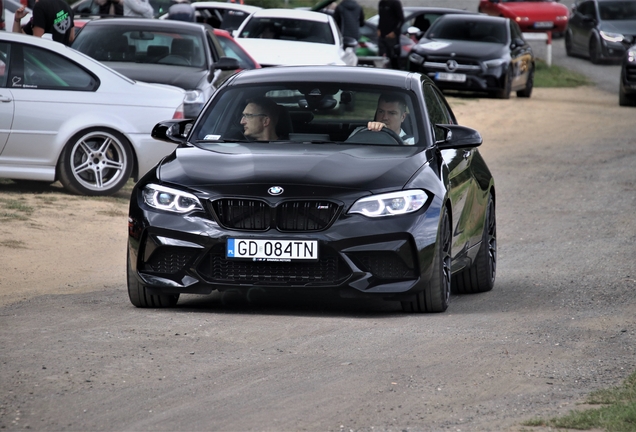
194, 97
491, 64
631, 56
390, 204
169, 199
611, 37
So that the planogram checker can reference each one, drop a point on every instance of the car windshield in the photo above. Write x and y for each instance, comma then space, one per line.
469, 30
158, 46
320, 113
288, 29
617, 10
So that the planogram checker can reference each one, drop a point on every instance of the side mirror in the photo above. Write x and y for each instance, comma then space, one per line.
172, 131
349, 42
459, 137
226, 63
517, 42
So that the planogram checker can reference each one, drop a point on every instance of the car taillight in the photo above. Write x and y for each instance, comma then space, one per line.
178, 113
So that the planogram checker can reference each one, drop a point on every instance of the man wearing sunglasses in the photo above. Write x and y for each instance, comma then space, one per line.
259, 119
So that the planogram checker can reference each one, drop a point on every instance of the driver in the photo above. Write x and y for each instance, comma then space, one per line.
259, 119
390, 113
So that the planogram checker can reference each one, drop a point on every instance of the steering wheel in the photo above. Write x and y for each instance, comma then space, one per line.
174, 59
383, 136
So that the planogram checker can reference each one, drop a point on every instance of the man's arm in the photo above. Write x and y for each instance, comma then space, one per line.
17, 18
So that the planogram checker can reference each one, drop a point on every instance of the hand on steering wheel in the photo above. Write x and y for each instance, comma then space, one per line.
376, 126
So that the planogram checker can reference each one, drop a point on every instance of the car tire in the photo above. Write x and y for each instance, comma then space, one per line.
568, 44
480, 276
140, 296
504, 93
96, 162
624, 100
436, 296
527, 91
595, 51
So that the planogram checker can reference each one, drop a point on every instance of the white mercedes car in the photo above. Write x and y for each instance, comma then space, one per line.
291, 37
67, 117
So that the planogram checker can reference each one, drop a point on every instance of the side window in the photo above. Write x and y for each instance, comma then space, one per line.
215, 47
587, 9
43, 69
515, 31
4, 63
438, 112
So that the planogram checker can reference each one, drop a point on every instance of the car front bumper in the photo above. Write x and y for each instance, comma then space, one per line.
388, 258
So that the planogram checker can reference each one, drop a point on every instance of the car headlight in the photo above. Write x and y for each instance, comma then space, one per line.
562, 18
390, 204
611, 37
194, 97
491, 64
522, 19
416, 58
169, 199
631, 56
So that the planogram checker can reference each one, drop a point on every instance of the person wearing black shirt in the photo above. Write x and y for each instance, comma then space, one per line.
389, 30
49, 16
350, 17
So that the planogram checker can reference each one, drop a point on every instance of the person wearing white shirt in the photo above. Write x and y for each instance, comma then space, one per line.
138, 8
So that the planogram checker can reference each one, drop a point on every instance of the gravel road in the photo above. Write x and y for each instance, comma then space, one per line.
559, 323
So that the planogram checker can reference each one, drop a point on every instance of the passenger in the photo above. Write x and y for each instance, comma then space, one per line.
390, 113
259, 119
49, 16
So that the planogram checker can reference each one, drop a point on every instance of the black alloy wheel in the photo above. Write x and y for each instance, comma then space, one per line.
595, 51
527, 91
436, 296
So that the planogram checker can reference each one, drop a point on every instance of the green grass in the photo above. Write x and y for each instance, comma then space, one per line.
557, 76
617, 412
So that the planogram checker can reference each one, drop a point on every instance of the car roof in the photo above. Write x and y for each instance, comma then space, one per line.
472, 17
310, 74
145, 23
221, 5
411, 9
293, 14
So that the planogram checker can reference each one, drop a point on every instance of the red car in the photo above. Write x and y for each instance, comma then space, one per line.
531, 15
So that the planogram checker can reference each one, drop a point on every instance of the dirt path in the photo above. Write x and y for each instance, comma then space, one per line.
560, 322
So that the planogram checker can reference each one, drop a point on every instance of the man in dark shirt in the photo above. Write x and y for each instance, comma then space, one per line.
49, 16
350, 17
389, 29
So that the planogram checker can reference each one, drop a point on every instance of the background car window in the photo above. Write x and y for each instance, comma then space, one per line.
587, 9
515, 31
44, 69
288, 29
467, 30
4, 60
142, 46
617, 10
231, 49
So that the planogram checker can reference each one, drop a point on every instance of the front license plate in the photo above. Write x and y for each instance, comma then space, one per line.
272, 250
452, 77
543, 24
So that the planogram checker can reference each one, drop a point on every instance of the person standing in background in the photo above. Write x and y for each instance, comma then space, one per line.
138, 8
389, 30
49, 16
349, 17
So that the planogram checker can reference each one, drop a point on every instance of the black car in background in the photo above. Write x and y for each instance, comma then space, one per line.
476, 53
327, 204
177, 53
601, 29
627, 89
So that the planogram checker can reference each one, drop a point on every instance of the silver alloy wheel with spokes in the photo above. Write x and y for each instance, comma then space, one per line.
96, 162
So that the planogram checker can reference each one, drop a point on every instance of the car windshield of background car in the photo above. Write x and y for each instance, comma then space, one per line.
158, 46
617, 10
309, 112
288, 29
467, 30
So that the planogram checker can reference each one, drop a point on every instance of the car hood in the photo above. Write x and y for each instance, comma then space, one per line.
369, 168
466, 49
180, 76
626, 27
536, 10
272, 52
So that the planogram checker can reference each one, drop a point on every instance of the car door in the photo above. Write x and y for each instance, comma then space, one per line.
461, 180
6, 97
521, 55
583, 22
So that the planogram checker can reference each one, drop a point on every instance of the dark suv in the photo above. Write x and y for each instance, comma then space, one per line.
601, 29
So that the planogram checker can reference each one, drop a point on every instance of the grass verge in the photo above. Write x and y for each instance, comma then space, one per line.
557, 76
617, 413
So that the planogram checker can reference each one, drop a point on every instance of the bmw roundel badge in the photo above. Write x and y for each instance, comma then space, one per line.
275, 190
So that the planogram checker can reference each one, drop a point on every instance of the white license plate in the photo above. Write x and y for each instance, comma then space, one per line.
543, 24
452, 77
272, 250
